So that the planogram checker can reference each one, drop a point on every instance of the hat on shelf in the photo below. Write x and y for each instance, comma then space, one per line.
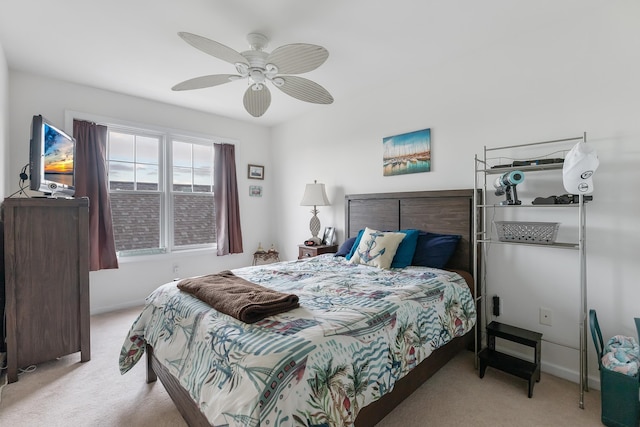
579, 165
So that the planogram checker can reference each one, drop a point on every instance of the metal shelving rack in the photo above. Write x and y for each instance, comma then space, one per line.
482, 236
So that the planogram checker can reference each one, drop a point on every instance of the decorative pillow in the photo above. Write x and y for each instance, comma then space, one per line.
377, 248
355, 245
434, 250
345, 248
406, 250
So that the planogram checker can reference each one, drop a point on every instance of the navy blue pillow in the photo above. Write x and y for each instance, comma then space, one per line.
355, 245
345, 248
406, 249
434, 250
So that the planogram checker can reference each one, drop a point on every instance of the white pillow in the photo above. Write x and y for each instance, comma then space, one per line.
377, 248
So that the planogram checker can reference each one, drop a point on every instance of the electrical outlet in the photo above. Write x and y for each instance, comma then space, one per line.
176, 268
545, 316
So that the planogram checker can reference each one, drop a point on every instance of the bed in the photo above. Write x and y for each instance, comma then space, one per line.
373, 344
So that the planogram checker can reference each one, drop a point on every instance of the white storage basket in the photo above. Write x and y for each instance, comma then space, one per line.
527, 232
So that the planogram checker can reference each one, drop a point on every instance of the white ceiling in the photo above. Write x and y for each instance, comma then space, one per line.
132, 46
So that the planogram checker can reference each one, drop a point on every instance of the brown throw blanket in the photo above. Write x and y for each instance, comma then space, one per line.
238, 297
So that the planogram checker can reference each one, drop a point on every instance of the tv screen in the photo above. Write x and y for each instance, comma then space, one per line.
51, 159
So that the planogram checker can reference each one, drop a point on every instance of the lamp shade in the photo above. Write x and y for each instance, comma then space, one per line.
314, 195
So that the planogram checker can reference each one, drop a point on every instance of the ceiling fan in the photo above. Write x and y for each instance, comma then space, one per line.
259, 67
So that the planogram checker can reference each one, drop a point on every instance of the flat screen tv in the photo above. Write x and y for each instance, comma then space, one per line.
51, 159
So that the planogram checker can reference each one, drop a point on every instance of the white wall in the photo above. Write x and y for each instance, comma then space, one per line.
572, 76
135, 279
4, 122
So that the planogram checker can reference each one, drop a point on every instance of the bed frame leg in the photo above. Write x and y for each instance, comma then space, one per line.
151, 374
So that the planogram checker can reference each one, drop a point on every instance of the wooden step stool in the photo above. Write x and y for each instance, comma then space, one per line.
510, 364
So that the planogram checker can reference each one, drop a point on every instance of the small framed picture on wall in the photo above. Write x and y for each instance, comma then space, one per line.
255, 191
256, 172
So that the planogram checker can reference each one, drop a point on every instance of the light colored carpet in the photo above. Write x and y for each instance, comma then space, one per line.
65, 392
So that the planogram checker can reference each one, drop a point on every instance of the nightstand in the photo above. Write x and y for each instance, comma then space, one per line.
311, 251
261, 258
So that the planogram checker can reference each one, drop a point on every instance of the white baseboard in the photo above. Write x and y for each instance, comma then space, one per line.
106, 309
557, 370
569, 375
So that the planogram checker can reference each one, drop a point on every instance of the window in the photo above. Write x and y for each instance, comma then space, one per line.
192, 194
161, 189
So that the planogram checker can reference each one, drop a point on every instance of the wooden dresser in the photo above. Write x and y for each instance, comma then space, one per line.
46, 244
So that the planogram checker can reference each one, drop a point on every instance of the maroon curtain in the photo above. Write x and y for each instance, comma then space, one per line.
228, 231
91, 182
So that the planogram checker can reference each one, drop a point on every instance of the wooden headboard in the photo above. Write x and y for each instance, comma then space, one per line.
445, 211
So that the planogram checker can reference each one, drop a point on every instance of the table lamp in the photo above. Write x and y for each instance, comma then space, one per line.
314, 195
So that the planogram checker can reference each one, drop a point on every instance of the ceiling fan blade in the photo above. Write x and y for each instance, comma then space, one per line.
305, 90
213, 48
205, 81
256, 102
298, 58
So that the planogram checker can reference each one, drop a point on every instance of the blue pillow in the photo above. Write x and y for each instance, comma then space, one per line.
406, 250
434, 250
345, 248
355, 245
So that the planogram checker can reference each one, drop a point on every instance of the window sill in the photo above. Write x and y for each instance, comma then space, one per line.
166, 256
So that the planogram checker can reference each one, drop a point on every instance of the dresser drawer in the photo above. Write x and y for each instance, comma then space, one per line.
311, 251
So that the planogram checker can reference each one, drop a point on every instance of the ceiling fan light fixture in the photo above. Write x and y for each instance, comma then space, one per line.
256, 75
242, 69
270, 70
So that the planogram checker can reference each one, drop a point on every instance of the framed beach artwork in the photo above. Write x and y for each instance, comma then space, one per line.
407, 153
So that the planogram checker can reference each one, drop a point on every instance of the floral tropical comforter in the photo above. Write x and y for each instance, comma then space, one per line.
358, 330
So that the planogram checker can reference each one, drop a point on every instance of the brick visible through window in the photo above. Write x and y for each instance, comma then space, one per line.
136, 220
193, 215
